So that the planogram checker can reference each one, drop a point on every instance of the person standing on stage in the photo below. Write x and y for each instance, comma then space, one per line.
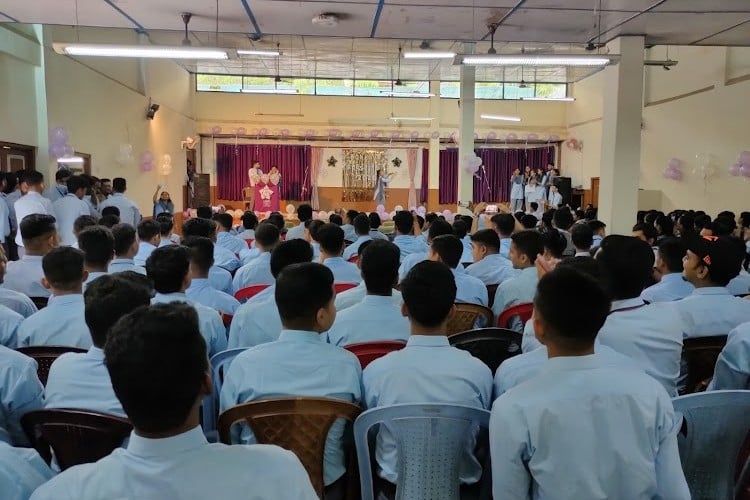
516, 191
541, 190
381, 182
531, 192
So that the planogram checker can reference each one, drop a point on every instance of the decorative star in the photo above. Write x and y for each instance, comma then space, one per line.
396, 162
332, 161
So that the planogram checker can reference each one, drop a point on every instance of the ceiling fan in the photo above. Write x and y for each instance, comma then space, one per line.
277, 79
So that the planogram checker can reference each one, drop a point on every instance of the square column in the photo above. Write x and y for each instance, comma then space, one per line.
466, 127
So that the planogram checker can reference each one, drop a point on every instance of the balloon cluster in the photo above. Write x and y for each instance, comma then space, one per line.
166, 165
124, 155
58, 144
215, 130
741, 166
449, 216
673, 170
574, 144
471, 163
706, 168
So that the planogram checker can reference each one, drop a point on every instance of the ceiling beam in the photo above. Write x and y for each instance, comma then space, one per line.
10, 18
720, 32
597, 37
376, 19
251, 16
138, 26
505, 17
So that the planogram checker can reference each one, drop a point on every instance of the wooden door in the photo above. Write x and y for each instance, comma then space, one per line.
595, 191
15, 157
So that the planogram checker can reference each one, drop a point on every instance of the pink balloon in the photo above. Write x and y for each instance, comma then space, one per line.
414, 134
491, 136
447, 213
147, 157
57, 150
395, 134
511, 137
284, 132
435, 135
241, 131
734, 170
374, 133
147, 166
215, 130
674, 163
263, 131
745, 170
58, 135
532, 137
69, 151
744, 158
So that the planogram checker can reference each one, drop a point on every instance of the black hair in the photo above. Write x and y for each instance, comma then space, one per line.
420, 221
331, 238
582, 236
563, 218
224, 220
648, 230
137, 278
505, 223
555, 243
63, 268
351, 215
336, 219
488, 238
529, 243
277, 220
529, 221
198, 227
304, 212
629, 262
519, 215
290, 252
379, 264
302, 290
727, 214
431, 217
723, 226
97, 244
148, 229
76, 182
664, 225
32, 177
119, 185
201, 252
165, 224
404, 222
204, 212
596, 225
580, 214
429, 292
167, 267
267, 235
62, 174
312, 227
111, 210
361, 225
35, 225
460, 229
534, 206
82, 222
109, 220
439, 228
107, 299
375, 221
124, 237
589, 266
249, 220
671, 252
701, 221
449, 248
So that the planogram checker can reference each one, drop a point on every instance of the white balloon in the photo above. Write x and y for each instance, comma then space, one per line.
399, 208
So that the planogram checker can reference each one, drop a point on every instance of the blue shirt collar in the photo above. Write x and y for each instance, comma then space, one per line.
458, 270
300, 336
200, 283
672, 278
377, 300
122, 261
625, 303
166, 447
64, 300
95, 353
32, 258
334, 260
711, 290
161, 298
572, 363
428, 341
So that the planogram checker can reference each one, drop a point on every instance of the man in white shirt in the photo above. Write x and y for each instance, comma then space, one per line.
448, 249
546, 434
32, 202
671, 286
600, 232
562, 219
504, 225
489, 266
437, 228
304, 214
376, 317
362, 229
129, 211
60, 189
5, 223
355, 295
149, 236
40, 236
331, 239
224, 260
582, 237
407, 232
350, 233
126, 247
223, 236
200, 290
249, 223
158, 364
166, 234
375, 224
258, 270
554, 199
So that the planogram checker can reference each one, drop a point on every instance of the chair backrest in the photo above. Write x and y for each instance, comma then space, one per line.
75, 436
219, 365
250, 291
742, 480
466, 316
300, 425
249, 242
226, 319
524, 311
342, 287
45, 355
40, 302
353, 259
430, 439
491, 345
700, 355
367, 352
247, 193
715, 427
491, 290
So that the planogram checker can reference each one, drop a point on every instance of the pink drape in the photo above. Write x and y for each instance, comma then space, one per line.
412, 159
315, 156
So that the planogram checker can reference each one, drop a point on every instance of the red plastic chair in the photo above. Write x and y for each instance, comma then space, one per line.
226, 319
524, 311
249, 242
245, 293
342, 287
367, 352
353, 259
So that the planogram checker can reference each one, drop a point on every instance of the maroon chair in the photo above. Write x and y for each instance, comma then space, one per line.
367, 352
226, 319
244, 294
524, 311
353, 259
491, 290
45, 355
249, 242
40, 302
74, 436
342, 287
700, 355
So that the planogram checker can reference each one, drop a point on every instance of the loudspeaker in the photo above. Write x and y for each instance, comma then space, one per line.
564, 187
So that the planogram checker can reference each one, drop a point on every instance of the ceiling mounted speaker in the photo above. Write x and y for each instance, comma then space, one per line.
326, 20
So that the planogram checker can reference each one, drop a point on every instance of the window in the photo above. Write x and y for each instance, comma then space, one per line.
334, 87
451, 90
263, 84
218, 83
488, 90
556, 90
372, 88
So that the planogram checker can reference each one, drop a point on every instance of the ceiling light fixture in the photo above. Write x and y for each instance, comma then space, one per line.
501, 117
269, 91
563, 99
70, 159
411, 118
533, 60
393, 93
429, 54
150, 51
259, 53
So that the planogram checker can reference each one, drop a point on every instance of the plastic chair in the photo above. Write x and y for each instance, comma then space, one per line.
742, 483
342, 287
219, 365
714, 429
491, 289
45, 355
40, 302
75, 436
491, 345
700, 355
243, 294
524, 311
466, 316
353, 259
226, 319
430, 440
367, 352
249, 242
300, 425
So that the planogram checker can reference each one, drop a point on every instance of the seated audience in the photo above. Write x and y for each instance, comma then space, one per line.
98, 247
201, 291
460, 230
304, 214
204, 213
331, 239
489, 266
158, 365
563, 221
311, 236
361, 225
249, 223
600, 231
504, 225
437, 228
40, 236
646, 232
546, 434
300, 362
62, 321
80, 380
428, 369
529, 222
672, 286
406, 228
350, 233
166, 226
582, 237
169, 269
149, 237
375, 224
80, 224
448, 249
258, 270
12, 299
376, 317
20, 392
336, 219
126, 247
732, 371
355, 295
220, 275
554, 244
224, 238
22, 470
69, 207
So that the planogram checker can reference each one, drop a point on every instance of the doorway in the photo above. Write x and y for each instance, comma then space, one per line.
15, 157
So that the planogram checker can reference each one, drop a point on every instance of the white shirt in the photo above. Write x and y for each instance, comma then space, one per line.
712, 311
343, 271
255, 322
184, 467
231, 243
121, 265
518, 290
212, 329
17, 302
22, 471
66, 210
55, 192
4, 221
493, 269
296, 232
409, 244
62, 322
740, 284
145, 249
256, 272
375, 318
31, 203
671, 287
355, 295
129, 212
202, 292
469, 289
353, 249
733, 366
25, 276
408, 262
20, 392
555, 199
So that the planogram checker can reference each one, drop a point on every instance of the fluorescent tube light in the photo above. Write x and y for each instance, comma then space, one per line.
151, 51
564, 99
70, 159
411, 118
269, 91
501, 117
533, 60
261, 53
429, 54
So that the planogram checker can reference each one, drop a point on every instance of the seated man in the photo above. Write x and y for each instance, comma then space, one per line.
733, 366
407, 230
220, 275
375, 224
428, 369
311, 236
546, 433
461, 231
22, 471
448, 249
331, 238
672, 286
40, 236
158, 365
80, 224
258, 270
300, 362
349, 228
62, 321
257, 321
149, 237
562, 219
489, 266
249, 223
353, 296
582, 237
98, 247
376, 317
166, 226
169, 269
126, 247
437, 228
11, 299
223, 236
362, 229
80, 380
304, 214
504, 225
20, 392
201, 291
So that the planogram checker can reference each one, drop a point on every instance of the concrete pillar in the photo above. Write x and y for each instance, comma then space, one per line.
434, 169
621, 136
466, 127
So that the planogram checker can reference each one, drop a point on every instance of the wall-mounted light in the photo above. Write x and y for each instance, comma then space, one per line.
152, 109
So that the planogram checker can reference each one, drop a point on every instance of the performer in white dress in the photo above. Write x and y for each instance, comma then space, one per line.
253, 175
531, 193
381, 182
516, 191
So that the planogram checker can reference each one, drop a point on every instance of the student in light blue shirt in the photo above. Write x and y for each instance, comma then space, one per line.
546, 434
98, 247
355, 295
460, 230
20, 392
22, 470
69, 207
207, 228
362, 228
25, 275
249, 223
258, 270
375, 224
448, 249
331, 239
350, 232
169, 269
62, 321
129, 211
437, 228
732, 369
428, 369
223, 236
200, 290
9, 322
304, 214
158, 365
489, 266
376, 317
60, 188
582, 237
81, 380
166, 225
504, 225
16, 302
300, 362
149, 236
407, 230
600, 232
672, 286
257, 321
125, 246
740, 284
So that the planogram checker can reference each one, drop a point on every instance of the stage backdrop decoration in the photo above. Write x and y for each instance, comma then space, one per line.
359, 174
315, 156
411, 158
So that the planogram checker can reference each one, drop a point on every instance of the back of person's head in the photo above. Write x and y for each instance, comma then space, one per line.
664, 225
109, 220
379, 264
124, 238
449, 248
563, 219
331, 238
529, 221
420, 221
460, 229
590, 267
559, 319
249, 220
640, 216
430, 217
82, 222
596, 225
723, 226
111, 210
429, 292
505, 224
488, 239
650, 217
32, 178
290, 252
529, 243
580, 214
198, 227
168, 268
629, 262
404, 222
645, 231
336, 219
360, 248
37, 228
519, 215
139, 279
375, 221
267, 235
534, 206
671, 252
745, 219
304, 212
201, 252
277, 220
109, 298
304, 297
555, 243
727, 214
701, 221
351, 215
720, 256
157, 361
75, 183
582, 236
148, 230
223, 221
119, 185
439, 228
313, 226
63, 269
97, 244
361, 225
204, 212
166, 223
547, 218
687, 222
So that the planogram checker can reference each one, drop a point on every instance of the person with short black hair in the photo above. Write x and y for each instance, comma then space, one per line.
249, 223
149, 237
304, 214
169, 269
81, 223
582, 237
204, 212
529, 222
331, 239
581, 391
223, 258
668, 265
111, 210
439, 227
13, 300
448, 249
98, 247
600, 232
40, 236
554, 244
224, 237
62, 321
664, 227
645, 232
32, 202
504, 225
200, 290
336, 219
129, 211
562, 219
536, 210
300, 362
461, 231
61, 188
166, 225
311, 236
125, 247
428, 369
375, 224
350, 233
361, 225
406, 231
489, 266
69, 207
258, 270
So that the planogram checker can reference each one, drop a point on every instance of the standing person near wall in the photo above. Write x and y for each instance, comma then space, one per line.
162, 204
516, 191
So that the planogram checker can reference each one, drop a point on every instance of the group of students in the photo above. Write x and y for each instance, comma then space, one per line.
534, 186
604, 345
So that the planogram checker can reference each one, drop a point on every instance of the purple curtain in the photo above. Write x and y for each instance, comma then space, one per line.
448, 176
492, 182
233, 161
425, 186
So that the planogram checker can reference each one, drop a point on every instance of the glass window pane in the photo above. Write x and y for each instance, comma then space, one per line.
372, 88
514, 90
218, 83
334, 87
555, 90
449, 89
257, 84
488, 90
413, 88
